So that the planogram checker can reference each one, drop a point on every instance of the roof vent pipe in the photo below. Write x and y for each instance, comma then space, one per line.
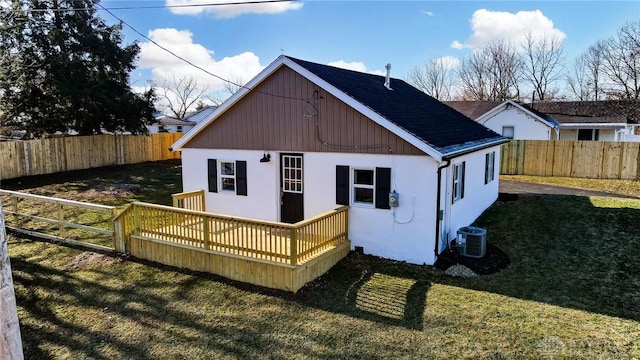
387, 81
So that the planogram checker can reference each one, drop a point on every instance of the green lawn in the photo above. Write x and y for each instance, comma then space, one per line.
572, 291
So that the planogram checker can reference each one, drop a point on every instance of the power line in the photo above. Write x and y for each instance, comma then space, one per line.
146, 7
195, 65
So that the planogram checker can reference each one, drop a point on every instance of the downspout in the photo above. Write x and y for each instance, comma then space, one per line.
439, 217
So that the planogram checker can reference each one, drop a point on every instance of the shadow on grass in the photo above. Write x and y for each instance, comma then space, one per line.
47, 296
373, 289
570, 251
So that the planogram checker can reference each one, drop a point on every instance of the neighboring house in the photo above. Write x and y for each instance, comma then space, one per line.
511, 119
199, 115
606, 120
170, 125
303, 138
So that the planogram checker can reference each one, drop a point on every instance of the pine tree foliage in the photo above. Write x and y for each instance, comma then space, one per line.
67, 70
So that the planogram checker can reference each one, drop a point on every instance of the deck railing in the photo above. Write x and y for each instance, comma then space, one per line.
69, 221
264, 240
192, 200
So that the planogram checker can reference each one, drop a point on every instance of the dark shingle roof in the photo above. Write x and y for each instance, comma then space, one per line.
604, 111
431, 121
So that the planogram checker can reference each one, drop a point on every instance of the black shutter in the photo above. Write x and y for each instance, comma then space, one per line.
241, 178
342, 185
462, 181
383, 187
213, 175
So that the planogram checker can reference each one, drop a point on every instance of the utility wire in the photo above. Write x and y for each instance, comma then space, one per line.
195, 65
156, 6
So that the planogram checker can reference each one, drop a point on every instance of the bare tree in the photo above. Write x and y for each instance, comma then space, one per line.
10, 340
584, 78
434, 77
491, 73
180, 94
543, 62
621, 59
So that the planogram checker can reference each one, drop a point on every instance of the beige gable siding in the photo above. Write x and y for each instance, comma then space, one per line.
286, 122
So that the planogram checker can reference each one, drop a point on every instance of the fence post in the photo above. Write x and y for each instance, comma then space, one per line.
61, 219
294, 246
202, 200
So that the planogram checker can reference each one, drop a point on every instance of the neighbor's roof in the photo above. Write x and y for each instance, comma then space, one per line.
423, 121
167, 120
473, 109
595, 112
201, 114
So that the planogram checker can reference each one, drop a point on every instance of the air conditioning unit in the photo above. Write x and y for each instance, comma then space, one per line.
472, 241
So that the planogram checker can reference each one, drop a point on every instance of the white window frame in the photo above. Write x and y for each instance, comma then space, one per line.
490, 164
222, 176
355, 186
458, 181
513, 131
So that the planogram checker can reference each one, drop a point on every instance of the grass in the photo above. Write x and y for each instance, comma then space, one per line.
614, 186
572, 291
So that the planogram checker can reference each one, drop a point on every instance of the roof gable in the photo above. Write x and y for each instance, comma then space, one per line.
505, 105
419, 119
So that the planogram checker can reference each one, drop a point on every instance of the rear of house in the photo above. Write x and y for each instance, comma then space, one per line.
305, 138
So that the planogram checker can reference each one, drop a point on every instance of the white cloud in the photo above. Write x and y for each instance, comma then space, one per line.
355, 66
428, 13
229, 11
491, 26
239, 68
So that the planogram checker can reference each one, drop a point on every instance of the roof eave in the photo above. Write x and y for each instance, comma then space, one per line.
473, 148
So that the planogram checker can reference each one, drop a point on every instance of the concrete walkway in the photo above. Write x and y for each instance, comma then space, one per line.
519, 187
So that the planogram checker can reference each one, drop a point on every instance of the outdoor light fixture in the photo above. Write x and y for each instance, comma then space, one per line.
266, 157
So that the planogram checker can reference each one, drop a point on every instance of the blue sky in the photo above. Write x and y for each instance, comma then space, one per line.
237, 42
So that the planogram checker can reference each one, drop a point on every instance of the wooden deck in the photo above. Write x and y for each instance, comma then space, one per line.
272, 254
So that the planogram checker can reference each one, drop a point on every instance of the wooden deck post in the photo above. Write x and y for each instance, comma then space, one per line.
205, 232
294, 246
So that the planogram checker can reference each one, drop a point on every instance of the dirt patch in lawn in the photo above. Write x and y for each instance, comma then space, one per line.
89, 258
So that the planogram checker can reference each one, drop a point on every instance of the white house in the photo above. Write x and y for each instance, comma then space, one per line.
170, 125
517, 121
606, 120
511, 119
303, 138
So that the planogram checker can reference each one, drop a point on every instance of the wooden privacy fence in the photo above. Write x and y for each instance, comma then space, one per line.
272, 254
68, 221
581, 159
47, 156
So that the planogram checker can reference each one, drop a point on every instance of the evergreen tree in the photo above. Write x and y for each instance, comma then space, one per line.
63, 68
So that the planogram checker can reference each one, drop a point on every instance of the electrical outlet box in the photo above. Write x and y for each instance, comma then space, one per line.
394, 199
